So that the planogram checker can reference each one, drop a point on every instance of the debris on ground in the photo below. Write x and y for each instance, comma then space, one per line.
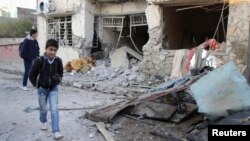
107, 79
177, 101
165, 136
119, 57
154, 110
107, 113
101, 127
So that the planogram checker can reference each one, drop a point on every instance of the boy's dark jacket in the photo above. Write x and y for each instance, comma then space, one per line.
30, 49
50, 74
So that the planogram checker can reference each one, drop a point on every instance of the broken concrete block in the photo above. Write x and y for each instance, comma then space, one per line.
178, 117
221, 90
88, 84
120, 90
119, 58
154, 110
77, 84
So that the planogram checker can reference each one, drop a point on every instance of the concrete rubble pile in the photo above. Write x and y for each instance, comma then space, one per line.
185, 98
115, 75
104, 78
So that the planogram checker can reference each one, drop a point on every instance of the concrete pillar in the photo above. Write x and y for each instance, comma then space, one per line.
238, 32
247, 71
156, 61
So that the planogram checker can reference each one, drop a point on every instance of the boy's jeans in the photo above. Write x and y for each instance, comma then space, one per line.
52, 96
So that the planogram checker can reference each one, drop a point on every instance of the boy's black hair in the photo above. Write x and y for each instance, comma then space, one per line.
33, 31
52, 42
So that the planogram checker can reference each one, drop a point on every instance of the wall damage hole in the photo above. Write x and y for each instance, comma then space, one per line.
190, 27
121, 30
138, 31
97, 51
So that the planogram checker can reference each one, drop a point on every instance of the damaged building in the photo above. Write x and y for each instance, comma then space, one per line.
148, 30
179, 24
94, 27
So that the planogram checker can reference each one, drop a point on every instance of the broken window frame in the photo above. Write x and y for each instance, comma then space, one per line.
60, 29
138, 20
135, 20
112, 23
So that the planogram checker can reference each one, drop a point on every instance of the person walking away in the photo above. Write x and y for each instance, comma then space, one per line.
30, 51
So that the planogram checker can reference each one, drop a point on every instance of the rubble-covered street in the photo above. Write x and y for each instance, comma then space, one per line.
155, 117
126, 70
19, 118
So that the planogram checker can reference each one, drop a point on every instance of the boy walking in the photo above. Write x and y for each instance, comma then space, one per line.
46, 73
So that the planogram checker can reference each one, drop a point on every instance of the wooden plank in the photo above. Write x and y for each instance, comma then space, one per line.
137, 119
105, 133
152, 96
107, 113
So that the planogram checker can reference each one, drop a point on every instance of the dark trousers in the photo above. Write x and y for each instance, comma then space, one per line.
27, 66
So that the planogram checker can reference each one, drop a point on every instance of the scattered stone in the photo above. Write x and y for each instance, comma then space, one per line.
77, 85
91, 135
108, 125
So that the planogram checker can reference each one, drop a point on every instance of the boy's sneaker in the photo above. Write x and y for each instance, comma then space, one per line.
25, 88
57, 135
44, 126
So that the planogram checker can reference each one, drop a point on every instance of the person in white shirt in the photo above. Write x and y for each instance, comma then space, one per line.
202, 57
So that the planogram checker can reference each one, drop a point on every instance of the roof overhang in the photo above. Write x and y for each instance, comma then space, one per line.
109, 1
185, 2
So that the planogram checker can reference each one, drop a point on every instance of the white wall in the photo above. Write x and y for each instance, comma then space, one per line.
42, 32
90, 11
67, 5
123, 8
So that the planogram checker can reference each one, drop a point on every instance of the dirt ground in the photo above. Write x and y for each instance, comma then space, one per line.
16, 125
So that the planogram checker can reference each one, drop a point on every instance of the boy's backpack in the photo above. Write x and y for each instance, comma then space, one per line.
20, 49
42, 64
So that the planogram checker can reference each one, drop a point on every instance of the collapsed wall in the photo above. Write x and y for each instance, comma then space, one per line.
114, 28
157, 60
